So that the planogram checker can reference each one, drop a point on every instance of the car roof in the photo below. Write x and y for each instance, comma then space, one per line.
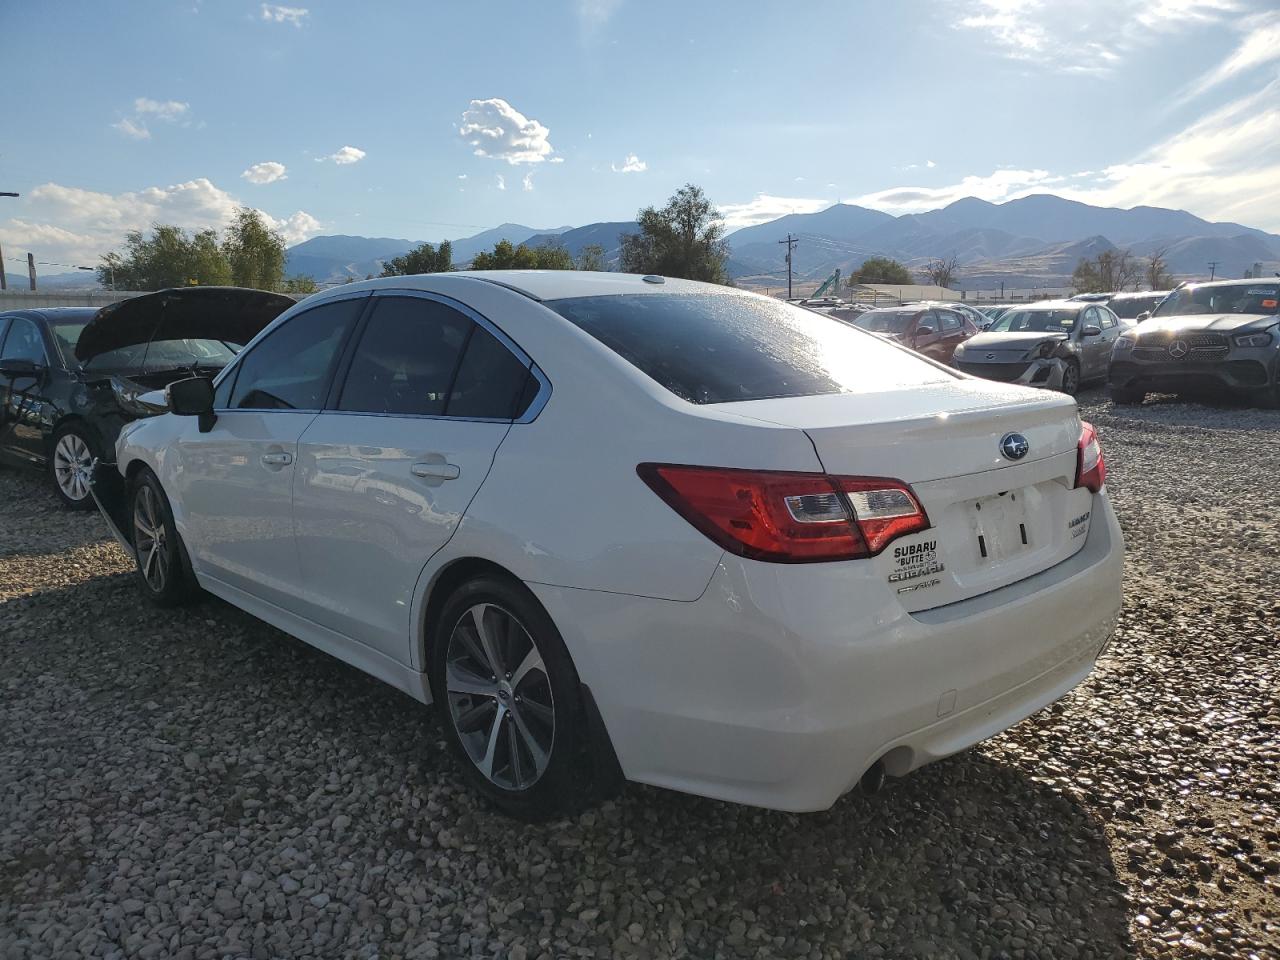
549, 284
1055, 305
52, 314
1134, 294
1232, 283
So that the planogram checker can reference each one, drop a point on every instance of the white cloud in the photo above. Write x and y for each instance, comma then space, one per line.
167, 110
497, 130
502, 182
274, 13
1000, 185
145, 109
345, 156
765, 207
72, 225
1261, 45
527, 182
462, 176
632, 164
930, 164
266, 172
1085, 36
132, 129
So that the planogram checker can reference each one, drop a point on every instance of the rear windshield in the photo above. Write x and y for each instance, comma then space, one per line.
886, 321
718, 348
1260, 298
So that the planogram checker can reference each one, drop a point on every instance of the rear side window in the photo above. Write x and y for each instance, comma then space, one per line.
23, 342
291, 368
490, 382
722, 347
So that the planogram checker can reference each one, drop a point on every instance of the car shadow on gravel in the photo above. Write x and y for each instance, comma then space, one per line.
229, 734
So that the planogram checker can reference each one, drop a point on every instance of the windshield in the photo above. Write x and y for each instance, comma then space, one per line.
1060, 320
886, 321
165, 355
1128, 308
67, 332
1260, 298
717, 348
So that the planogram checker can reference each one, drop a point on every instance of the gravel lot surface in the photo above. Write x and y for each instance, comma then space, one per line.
194, 783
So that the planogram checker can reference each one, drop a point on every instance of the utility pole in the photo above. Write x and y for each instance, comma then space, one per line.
31, 270
4, 283
1213, 267
791, 243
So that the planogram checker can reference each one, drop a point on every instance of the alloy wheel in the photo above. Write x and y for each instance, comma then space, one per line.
499, 697
1070, 379
72, 466
149, 539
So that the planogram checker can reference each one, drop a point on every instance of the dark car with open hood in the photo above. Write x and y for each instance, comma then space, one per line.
71, 377
1220, 336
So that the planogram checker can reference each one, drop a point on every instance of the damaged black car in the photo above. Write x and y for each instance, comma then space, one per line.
71, 377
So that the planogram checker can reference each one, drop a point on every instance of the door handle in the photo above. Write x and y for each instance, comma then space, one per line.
277, 459
435, 471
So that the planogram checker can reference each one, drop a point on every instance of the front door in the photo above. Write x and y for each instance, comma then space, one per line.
235, 482
383, 480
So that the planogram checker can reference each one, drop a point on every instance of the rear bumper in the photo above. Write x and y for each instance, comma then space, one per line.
782, 684
1041, 372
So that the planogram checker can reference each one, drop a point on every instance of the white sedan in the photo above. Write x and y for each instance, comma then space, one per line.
628, 527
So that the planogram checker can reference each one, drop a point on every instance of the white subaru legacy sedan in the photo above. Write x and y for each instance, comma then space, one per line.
634, 527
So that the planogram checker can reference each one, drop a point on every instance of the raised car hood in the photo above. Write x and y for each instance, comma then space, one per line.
1219, 322
231, 314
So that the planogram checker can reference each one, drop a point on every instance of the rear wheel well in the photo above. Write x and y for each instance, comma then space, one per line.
446, 582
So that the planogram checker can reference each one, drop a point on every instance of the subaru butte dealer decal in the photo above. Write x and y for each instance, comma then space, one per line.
914, 560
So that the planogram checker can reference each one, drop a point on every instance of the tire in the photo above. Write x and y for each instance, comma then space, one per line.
510, 700
1126, 397
1071, 378
164, 570
71, 465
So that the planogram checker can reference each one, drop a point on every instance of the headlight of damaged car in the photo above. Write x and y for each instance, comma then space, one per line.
1124, 343
129, 397
1044, 351
1253, 339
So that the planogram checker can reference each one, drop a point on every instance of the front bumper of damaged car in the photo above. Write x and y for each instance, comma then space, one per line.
1044, 372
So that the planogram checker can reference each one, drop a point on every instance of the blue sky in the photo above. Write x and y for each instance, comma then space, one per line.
426, 120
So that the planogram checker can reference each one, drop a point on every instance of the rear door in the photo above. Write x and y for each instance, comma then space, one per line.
235, 482
385, 474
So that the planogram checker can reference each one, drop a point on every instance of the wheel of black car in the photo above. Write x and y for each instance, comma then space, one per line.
71, 465
1125, 397
164, 573
1071, 378
510, 699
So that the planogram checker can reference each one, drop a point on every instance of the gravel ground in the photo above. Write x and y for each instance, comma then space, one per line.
196, 784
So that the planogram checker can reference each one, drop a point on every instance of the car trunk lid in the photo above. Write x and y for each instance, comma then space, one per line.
993, 520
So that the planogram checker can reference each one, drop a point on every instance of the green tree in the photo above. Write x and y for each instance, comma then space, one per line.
424, 258
166, 258
683, 239
254, 251
301, 283
506, 256
880, 270
592, 258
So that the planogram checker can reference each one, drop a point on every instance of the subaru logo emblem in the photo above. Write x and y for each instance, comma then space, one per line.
1178, 349
991, 356
1014, 446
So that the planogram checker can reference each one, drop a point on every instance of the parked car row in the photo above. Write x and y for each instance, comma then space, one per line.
1221, 336
622, 527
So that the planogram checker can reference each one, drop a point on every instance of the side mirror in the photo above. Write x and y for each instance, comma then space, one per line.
1092, 331
924, 331
985, 326
1144, 315
21, 368
192, 397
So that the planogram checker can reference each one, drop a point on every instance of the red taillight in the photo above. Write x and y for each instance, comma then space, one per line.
788, 517
1091, 468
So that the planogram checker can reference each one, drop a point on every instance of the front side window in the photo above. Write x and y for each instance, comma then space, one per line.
886, 321
724, 347
950, 322
23, 342
292, 367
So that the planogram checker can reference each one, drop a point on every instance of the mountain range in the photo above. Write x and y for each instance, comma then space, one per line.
1034, 240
